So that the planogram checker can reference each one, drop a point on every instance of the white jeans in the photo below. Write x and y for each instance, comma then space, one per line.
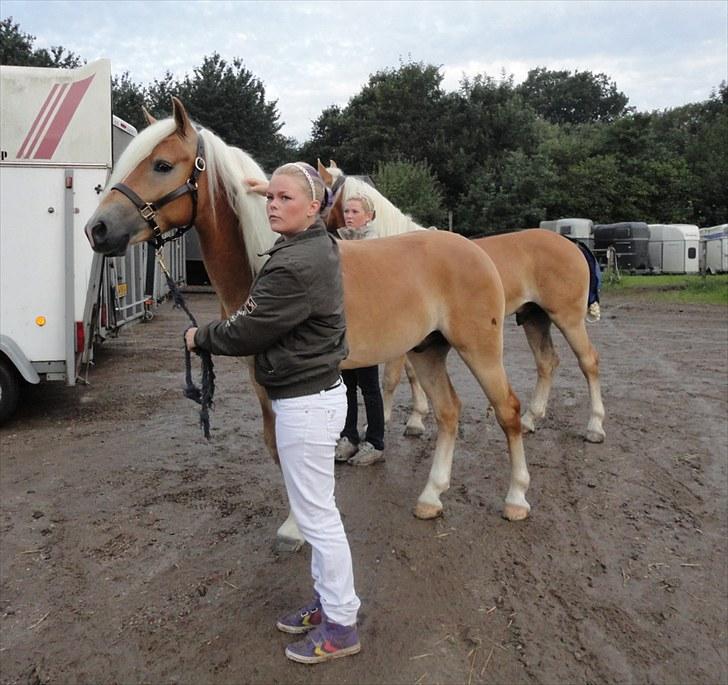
307, 429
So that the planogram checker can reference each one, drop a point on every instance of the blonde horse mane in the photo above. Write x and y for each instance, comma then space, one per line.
389, 220
226, 165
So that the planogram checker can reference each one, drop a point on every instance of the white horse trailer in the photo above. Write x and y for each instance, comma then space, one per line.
674, 248
714, 249
577, 229
58, 141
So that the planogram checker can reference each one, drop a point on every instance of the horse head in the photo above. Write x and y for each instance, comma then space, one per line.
334, 178
153, 188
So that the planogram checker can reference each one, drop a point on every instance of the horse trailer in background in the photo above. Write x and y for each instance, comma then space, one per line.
576, 229
714, 249
58, 140
674, 248
630, 240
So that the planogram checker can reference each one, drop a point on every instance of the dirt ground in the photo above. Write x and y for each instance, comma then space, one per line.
134, 551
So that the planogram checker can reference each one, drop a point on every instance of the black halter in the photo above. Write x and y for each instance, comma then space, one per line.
149, 210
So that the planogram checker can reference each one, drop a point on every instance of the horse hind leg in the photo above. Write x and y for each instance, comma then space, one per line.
432, 372
415, 424
537, 327
492, 378
390, 380
588, 358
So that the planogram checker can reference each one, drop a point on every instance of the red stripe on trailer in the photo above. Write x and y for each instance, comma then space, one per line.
63, 117
21, 152
39, 132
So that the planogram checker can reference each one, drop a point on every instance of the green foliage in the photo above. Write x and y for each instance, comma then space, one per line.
16, 49
565, 98
127, 100
413, 189
688, 289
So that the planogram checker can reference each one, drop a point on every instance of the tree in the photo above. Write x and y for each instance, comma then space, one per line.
229, 100
16, 49
565, 98
513, 194
127, 100
398, 114
413, 189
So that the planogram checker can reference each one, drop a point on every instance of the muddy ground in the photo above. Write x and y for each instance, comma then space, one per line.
133, 551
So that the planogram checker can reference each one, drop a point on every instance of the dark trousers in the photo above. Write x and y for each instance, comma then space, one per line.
366, 378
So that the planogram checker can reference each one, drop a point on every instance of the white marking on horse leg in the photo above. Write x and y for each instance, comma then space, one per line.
289, 537
432, 373
420, 407
537, 329
595, 431
516, 506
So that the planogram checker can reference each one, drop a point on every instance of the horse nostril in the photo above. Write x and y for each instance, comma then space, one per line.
98, 232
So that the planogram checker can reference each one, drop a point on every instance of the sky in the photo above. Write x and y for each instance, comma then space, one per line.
310, 55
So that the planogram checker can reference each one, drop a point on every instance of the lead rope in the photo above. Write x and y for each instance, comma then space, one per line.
204, 394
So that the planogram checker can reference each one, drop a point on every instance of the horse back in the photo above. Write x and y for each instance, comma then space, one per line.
539, 266
398, 290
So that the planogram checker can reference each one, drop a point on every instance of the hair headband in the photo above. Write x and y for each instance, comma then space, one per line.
308, 178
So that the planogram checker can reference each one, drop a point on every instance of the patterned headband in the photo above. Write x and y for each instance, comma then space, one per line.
308, 178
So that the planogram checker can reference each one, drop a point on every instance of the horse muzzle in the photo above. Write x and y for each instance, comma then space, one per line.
102, 239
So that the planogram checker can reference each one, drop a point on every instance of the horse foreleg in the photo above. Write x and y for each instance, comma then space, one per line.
507, 408
576, 335
432, 373
415, 425
537, 327
288, 537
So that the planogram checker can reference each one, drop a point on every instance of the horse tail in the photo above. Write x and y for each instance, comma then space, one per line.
593, 313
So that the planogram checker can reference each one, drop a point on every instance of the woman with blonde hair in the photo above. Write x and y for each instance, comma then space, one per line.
358, 216
293, 322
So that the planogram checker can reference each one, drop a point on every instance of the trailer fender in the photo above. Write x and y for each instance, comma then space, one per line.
13, 352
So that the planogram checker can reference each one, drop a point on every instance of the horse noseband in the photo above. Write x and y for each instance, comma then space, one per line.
148, 210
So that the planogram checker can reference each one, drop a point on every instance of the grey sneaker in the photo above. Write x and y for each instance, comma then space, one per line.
345, 449
367, 455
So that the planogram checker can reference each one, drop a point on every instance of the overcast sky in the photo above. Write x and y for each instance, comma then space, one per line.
310, 55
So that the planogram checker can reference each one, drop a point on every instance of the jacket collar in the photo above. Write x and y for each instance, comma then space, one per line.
315, 230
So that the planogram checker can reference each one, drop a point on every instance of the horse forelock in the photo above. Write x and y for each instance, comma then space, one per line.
139, 149
229, 166
389, 220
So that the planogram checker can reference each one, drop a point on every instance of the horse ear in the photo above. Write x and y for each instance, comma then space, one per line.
326, 177
184, 126
333, 164
150, 119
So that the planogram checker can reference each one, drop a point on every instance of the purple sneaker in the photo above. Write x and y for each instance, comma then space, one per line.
328, 641
302, 620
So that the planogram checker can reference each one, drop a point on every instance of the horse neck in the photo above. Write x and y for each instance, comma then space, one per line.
224, 254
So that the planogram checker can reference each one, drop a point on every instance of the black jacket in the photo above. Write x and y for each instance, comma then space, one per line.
293, 320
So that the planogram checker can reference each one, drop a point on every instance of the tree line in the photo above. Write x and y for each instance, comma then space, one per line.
494, 154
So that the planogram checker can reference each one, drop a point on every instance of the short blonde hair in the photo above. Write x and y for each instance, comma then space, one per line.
308, 177
364, 200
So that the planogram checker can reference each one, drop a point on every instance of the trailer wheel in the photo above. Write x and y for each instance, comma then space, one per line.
9, 391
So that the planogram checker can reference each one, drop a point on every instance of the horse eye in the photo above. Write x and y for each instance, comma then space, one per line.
162, 167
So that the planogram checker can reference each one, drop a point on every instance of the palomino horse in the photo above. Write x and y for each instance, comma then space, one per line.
545, 280
452, 296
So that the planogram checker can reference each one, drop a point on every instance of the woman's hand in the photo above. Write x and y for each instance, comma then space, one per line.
190, 338
256, 185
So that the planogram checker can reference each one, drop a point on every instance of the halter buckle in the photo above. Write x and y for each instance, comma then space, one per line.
200, 164
147, 211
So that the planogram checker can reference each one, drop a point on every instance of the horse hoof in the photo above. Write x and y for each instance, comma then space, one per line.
527, 425
427, 511
595, 437
285, 545
514, 512
413, 431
